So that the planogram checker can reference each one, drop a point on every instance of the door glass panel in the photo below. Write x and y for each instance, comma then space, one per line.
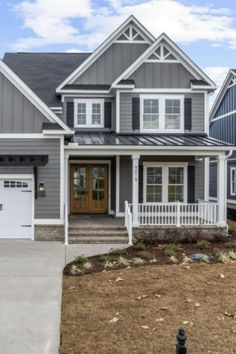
80, 183
98, 178
176, 184
154, 185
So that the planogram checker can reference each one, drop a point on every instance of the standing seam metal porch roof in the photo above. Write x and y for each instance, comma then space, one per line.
113, 139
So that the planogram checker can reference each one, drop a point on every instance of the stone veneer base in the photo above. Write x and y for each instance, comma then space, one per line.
49, 232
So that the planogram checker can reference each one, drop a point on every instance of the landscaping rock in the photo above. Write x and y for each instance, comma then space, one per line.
198, 256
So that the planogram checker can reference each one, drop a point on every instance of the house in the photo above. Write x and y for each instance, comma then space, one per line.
122, 131
223, 127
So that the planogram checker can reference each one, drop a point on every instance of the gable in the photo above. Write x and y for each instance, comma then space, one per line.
134, 38
17, 113
111, 64
164, 51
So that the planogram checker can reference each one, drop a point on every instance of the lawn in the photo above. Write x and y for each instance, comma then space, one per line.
138, 310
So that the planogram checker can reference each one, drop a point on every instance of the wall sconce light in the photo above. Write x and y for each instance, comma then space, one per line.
41, 190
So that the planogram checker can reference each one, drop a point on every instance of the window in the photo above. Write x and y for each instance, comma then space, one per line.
233, 181
165, 183
15, 184
160, 113
89, 113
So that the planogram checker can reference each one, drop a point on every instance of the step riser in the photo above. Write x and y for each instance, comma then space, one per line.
112, 242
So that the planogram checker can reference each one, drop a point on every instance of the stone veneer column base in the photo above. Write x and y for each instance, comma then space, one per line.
49, 232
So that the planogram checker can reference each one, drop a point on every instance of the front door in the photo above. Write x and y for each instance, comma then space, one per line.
89, 188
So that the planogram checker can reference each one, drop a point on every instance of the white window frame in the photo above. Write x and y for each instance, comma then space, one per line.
165, 180
88, 103
232, 188
162, 99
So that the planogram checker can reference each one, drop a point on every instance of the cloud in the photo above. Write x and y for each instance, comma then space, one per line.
218, 75
85, 23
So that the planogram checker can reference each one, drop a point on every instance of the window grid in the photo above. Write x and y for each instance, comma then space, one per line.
89, 113
232, 181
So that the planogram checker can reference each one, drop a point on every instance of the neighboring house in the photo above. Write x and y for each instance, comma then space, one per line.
223, 127
84, 133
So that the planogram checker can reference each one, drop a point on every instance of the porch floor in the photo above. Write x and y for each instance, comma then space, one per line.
93, 221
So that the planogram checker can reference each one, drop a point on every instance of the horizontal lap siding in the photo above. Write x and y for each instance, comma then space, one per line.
213, 180
17, 114
199, 179
49, 206
125, 181
198, 110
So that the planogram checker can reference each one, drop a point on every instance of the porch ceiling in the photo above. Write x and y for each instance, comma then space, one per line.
142, 140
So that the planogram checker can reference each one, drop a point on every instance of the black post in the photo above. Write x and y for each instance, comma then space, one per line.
181, 339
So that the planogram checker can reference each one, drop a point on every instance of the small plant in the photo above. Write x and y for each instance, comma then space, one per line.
223, 257
87, 265
145, 255
123, 261
232, 255
117, 251
81, 259
153, 260
171, 250
75, 270
230, 245
203, 245
107, 258
140, 246
174, 259
206, 259
187, 259
138, 261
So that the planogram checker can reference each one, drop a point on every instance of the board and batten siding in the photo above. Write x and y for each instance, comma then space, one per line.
162, 75
47, 207
17, 113
228, 103
198, 109
126, 175
224, 129
111, 64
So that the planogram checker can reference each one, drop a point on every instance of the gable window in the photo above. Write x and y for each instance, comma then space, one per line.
89, 113
233, 181
161, 113
165, 183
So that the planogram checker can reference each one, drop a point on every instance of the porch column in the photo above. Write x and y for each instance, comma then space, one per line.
66, 189
135, 188
206, 179
221, 189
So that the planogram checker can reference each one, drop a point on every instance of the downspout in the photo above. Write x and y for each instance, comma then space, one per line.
226, 186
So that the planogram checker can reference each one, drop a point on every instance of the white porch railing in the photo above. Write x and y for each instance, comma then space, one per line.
177, 214
129, 222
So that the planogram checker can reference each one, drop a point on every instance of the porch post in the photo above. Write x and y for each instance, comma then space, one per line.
206, 179
221, 190
135, 185
66, 188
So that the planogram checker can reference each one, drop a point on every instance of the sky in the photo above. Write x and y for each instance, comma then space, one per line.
205, 30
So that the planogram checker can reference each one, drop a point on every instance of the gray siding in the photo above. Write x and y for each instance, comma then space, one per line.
199, 180
213, 180
111, 63
125, 181
162, 75
197, 112
17, 114
49, 206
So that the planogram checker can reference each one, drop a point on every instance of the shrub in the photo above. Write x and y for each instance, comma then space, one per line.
81, 259
75, 270
117, 251
223, 257
171, 250
173, 259
140, 246
206, 259
230, 245
203, 245
87, 265
232, 254
145, 255
107, 258
123, 261
138, 261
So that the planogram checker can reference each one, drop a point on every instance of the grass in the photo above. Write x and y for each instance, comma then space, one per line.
153, 302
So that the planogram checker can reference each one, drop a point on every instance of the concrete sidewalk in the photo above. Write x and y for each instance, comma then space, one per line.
30, 293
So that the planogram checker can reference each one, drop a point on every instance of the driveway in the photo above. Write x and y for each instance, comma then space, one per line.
30, 293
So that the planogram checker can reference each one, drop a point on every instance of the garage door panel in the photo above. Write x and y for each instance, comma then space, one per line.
15, 208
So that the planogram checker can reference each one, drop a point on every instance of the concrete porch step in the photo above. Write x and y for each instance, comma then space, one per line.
88, 234
98, 239
98, 233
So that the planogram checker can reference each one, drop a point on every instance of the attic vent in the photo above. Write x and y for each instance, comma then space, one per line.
132, 35
162, 53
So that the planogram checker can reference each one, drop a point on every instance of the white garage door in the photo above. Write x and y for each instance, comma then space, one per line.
15, 208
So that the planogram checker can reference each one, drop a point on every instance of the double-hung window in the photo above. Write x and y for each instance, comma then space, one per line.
233, 181
162, 113
165, 183
89, 113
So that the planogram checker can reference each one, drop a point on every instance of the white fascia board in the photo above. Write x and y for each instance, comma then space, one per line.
101, 49
221, 93
55, 132
83, 91
185, 60
31, 96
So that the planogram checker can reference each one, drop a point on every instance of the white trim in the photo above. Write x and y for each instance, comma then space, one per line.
165, 166
48, 221
89, 103
102, 48
232, 169
190, 66
206, 179
30, 177
206, 113
164, 90
62, 167
27, 136
223, 116
221, 93
135, 188
54, 132
162, 99
229, 201
117, 111
117, 185
31, 96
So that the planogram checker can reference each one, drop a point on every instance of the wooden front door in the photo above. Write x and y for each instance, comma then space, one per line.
89, 189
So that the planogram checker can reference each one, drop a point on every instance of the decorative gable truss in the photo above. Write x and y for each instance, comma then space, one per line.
162, 54
131, 35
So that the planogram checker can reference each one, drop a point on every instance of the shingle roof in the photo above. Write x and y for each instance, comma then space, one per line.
86, 87
174, 140
43, 72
